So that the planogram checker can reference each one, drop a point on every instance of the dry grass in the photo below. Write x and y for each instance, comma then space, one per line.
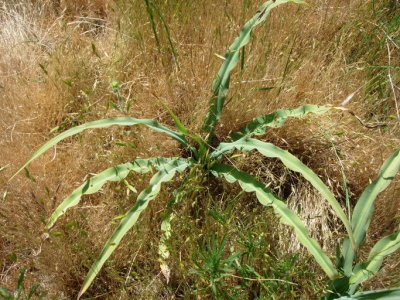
57, 60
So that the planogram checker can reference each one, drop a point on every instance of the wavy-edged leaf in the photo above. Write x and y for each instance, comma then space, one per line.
249, 184
292, 163
384, 247
364, 208
125, 121
277, 119
169, 214
94, 184
391, 294
220, 85
166, 173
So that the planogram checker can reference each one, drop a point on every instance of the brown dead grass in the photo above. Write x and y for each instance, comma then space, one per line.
305, 58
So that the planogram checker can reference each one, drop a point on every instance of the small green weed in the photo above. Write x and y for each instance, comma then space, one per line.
213, 268
226, 271
20, 293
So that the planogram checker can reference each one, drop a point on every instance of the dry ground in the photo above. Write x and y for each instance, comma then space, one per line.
57, 61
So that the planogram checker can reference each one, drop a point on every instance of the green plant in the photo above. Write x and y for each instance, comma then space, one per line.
351, 276
205, 157
212, 267
20, 291
123, 105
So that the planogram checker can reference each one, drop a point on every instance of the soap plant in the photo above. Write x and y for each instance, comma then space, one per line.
352, 272
207, 158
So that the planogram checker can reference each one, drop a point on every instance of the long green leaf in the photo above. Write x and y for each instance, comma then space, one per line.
171, 45
126, 121
220, 85
249, 184
94, 184
166, 173
392, 294
153, 24
384, 247
364, 208
292, 163
169, 214
276, 119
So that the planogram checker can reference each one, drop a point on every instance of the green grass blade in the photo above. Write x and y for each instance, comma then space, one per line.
364, 208
20, 283
94, 184
32, 291
125, 121
167, 32
153, 24
178, 123
292, 163
391, 294
182, 129
249, 184
384, 247
276, 119
166, 173
220, 85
